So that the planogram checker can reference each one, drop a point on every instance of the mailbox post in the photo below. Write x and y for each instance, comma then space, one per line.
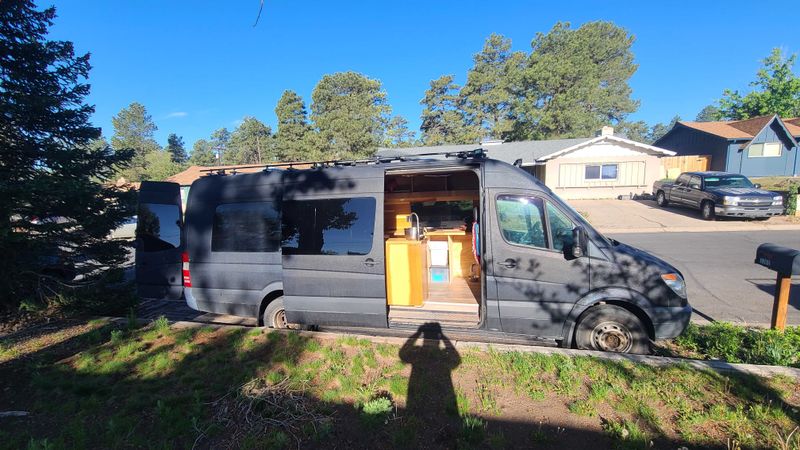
786, 262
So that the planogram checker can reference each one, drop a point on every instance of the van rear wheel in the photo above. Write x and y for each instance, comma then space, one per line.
275, 315
611, 328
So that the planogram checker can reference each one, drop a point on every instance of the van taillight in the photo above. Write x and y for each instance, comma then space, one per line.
187, 278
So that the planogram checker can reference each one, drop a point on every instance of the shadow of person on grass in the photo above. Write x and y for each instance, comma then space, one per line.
430, 386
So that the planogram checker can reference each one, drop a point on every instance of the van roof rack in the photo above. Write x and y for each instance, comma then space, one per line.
478, 153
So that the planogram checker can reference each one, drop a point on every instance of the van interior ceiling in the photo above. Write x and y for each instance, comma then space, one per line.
432, 265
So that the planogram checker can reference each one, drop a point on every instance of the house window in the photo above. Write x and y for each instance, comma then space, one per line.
601, 172
769, 149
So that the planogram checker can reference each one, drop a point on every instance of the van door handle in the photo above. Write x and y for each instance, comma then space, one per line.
508, 264
369, 262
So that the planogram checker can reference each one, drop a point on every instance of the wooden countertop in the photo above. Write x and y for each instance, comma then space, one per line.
451, 232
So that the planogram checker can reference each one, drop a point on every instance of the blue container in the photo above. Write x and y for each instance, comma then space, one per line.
440, 274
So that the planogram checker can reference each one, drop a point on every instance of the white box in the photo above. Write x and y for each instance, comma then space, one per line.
438, 251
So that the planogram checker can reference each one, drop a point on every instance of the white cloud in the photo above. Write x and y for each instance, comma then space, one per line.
176, 115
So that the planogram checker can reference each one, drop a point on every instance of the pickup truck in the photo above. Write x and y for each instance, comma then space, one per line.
719, 194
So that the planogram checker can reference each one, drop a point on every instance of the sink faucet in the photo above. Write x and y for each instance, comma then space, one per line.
410, 219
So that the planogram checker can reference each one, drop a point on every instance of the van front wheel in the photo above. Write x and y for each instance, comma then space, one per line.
274, 314
610, 328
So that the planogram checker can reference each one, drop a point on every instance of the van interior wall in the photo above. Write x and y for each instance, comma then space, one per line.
445, 290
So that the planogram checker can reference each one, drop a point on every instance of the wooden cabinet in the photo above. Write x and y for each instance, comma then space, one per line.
406, 272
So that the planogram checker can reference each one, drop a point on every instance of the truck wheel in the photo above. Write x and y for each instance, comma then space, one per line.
611, 328
274, 315
707, 210
661, 199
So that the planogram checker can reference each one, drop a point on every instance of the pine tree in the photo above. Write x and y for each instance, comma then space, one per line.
293, 139
176, 148
443, 122
202, 154
398, 134
251, 143
53, 200
488, 95
134, 130
350, 113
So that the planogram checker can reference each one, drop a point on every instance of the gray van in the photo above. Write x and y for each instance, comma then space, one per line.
474, 244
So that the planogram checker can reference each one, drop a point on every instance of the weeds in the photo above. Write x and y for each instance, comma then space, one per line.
736, 344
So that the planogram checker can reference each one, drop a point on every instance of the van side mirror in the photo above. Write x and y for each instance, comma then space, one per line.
757, 186
578, 242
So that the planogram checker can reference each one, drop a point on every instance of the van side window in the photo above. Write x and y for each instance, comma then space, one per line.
246, 227
157, 227
521, 220
560, 228
342, 226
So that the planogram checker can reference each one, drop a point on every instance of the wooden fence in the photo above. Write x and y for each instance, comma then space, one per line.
674, 165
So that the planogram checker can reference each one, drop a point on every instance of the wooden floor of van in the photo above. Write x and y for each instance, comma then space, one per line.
453, 304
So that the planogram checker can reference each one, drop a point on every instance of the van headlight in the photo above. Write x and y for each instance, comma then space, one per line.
730, 201
777, 200
676, 283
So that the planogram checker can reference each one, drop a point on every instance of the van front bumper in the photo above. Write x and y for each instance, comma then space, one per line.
748, 211
669, 322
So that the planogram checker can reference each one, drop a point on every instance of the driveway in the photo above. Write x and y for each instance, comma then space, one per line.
722, 280
644, 216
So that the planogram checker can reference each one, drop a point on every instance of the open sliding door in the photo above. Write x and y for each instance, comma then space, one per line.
332, 247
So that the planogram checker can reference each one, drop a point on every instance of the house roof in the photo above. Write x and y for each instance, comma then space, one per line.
743, 129
187, 177
530, 152
793, 125
645, 148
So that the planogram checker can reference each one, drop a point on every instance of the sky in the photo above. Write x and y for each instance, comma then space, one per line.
199, 65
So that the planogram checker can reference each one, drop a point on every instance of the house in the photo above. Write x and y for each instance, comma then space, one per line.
761, 146
605, 166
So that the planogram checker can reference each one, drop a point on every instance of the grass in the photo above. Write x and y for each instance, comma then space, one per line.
93, 385
738, 344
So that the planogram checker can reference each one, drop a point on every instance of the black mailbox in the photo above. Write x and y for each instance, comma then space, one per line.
783, 260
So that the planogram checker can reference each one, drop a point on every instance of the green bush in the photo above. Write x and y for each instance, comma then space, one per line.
375, 411
738, 344
791, 202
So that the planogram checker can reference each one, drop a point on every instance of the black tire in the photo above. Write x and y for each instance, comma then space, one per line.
707, 210
661, 199
274, 315
611, 328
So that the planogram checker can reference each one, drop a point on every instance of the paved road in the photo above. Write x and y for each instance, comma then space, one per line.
723, 281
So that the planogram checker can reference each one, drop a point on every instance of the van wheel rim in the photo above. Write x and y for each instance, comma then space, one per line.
612, 337
279, 319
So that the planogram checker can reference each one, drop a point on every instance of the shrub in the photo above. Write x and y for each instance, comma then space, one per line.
376, 411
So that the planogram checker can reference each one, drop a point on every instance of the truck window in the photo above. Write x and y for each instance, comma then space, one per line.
158, 227
682, 180
342, 226
521, 220
560, 227
246, 227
